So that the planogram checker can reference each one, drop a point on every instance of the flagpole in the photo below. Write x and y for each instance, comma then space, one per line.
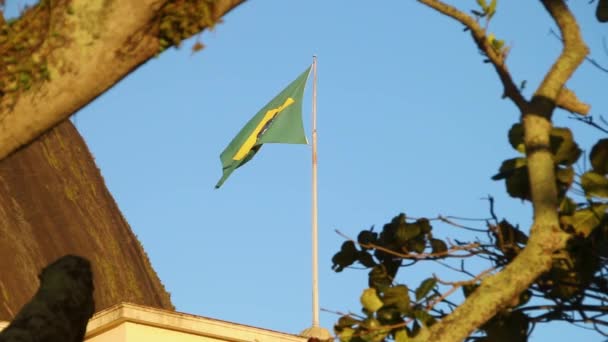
316, 330
315, 230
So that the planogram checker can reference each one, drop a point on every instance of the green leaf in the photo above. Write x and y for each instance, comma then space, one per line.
425, 287
515, 172
565, 175
483, 5
401, 336
424, 317
407, 231
508, 167
594, 184
492, 9
370, 300
347, 321
585, 220
567, 207
397, 296
564, 148
346, 334
599, 157
416, 245
425, 225
379, 278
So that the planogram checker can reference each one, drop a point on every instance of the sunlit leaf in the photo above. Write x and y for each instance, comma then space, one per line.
401, 336
370, 300
585, 220
567, 207
594, 184
346, 334
491, 9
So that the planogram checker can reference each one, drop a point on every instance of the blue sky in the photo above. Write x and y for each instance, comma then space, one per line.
409, 120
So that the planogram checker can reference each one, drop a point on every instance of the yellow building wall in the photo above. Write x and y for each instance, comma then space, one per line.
117, 334
140, 332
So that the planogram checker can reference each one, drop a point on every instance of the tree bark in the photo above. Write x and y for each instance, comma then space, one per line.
84, 48
53, 201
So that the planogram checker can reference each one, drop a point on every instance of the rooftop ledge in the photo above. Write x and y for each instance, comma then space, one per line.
131, 322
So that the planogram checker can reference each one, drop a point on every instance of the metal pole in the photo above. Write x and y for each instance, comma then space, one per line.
315, 232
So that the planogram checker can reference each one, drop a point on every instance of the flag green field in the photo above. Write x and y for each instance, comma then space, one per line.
280, 121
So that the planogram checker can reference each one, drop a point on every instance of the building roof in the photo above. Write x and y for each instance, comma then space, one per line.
130, 322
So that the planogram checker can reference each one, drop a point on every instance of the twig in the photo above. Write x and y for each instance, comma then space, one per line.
456, 285
479, 36
418, 256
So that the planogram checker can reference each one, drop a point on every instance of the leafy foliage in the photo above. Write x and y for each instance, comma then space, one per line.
573, 284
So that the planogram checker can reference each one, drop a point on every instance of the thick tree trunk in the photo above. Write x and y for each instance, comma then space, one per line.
61, 54
53, 201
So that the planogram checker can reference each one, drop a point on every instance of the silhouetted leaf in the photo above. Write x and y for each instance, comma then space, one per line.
468, 289
599, 157
367, 237
366, 259
564, 148
425, 287
416, 245
407, 231
347, 255
424, 317
516, 138
346, 321
515, 172
425, 225
601, 12
438, 246
594, 184
379, 278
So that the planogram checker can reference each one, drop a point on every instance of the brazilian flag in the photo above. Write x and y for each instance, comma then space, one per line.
280, 121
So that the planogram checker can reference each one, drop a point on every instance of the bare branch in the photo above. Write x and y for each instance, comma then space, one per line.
420, 256
479, 36
546, 237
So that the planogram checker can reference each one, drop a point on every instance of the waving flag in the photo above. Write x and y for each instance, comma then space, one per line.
280, 121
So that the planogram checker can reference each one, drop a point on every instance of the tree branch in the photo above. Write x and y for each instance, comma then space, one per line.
479, 36
497, 292
100, 42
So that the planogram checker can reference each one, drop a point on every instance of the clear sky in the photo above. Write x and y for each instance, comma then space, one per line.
410, 120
